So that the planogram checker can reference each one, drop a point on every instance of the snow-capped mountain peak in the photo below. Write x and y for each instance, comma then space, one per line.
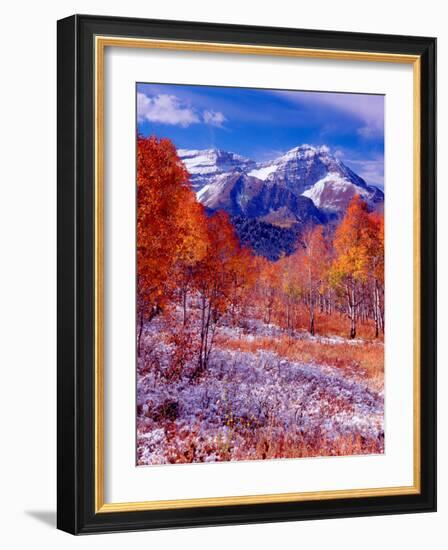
219, 176
270, 202
203, 164
305, 151
301, 167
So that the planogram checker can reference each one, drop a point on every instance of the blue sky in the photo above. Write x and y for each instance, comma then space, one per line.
263, 124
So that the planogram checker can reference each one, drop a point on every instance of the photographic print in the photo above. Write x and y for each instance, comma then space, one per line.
224, 296
260, 274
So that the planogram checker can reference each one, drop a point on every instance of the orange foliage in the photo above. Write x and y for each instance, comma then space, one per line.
359, 257
220, 281
350, 244
169, 221
194, 262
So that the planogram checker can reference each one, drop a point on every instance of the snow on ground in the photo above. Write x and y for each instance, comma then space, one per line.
247, 397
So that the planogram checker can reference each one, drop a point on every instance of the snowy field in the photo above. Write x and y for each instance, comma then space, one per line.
253, 404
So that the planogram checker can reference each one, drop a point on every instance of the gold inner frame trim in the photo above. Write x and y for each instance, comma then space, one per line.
101, 42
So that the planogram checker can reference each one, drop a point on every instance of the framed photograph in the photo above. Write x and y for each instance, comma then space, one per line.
246, 274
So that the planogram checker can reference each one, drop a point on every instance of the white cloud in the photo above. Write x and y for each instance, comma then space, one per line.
368, 109
368, 132
214, 118
165, 109
372, 170
169, 109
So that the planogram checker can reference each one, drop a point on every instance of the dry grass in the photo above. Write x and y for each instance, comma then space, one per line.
267, 443
223, 431
364, 360
339, 325
286, 446
336, 324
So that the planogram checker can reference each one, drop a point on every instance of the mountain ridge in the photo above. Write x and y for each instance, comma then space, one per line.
299, 170
305, 186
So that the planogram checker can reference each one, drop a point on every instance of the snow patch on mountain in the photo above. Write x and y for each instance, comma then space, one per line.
263, 172
210, 194
334, 192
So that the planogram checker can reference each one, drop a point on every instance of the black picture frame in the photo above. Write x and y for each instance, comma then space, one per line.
76, 254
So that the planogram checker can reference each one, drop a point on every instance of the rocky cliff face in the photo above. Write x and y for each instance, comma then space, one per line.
243, 195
